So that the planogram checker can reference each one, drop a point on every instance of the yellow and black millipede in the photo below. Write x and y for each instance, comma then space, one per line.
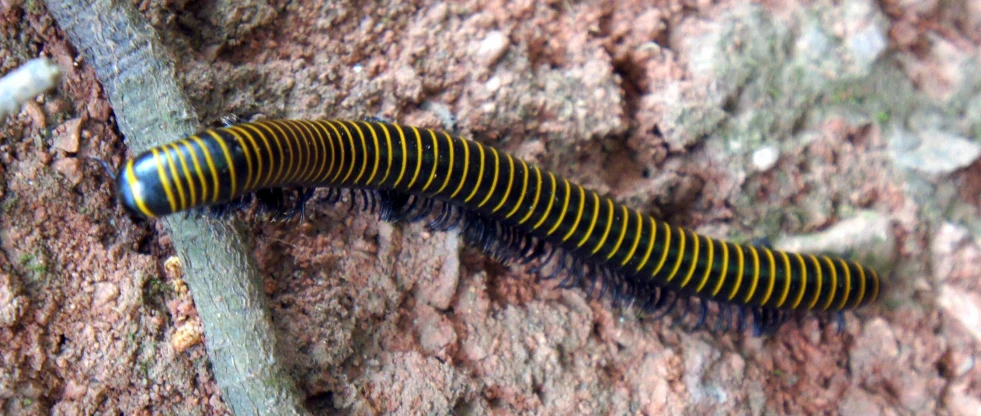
511, 209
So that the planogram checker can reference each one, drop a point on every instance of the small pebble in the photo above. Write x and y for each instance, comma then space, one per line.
492, 48
71, 138
187, 336
105, 292
174, 268
765, 158
70, 168
939, 153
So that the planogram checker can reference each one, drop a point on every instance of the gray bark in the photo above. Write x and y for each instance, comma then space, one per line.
152, 109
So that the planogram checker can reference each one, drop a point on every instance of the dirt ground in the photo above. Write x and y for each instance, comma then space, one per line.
845, 127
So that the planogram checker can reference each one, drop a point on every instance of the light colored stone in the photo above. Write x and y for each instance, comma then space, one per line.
765, 158
939, 153
492, 48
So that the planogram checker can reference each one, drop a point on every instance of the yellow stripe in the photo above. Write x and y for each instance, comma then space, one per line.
405, 155
187, 172
211, 167
820, 281
694, 261
419, 157
466, 167
288, 138
609, 225
582, 207
315, 149
270, 179
346, 125
304, 141
432, 174
848, 285
725, 268
374, 169
281, 137
252, 180
480, 178
650, 244
310, 149
364, 151
248, 158
200, 172
350, 140
538, 193
302, 169
739, 273
788, 277
803, 279
565, 206
861, 286
319, 151
633, 248
136, 189
681, 253
756, 274
231, 167
334, 153
773, 276
497, 169
524, 191
667, 245
623, 231
388, 142
269, 152
507, 190
834, 282
303, 150
708, 270
173, 171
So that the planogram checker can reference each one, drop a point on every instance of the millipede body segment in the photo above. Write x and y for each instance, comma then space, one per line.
219, 165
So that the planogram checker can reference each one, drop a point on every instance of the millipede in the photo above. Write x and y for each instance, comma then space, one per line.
503, 206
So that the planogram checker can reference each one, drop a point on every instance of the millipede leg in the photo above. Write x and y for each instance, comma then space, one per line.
606, 286
454, 219
333, 195
728, 318
394, 205
411, 202
423, 211
757, 321
592, 283
703, 312
668, 307
354, 201
303, 195
741, 317
722, 318
575, 275
437, 223
548, 258
686, 307
653, 297
536, 250
559, 267
369, 197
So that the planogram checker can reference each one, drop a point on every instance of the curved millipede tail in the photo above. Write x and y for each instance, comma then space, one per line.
503, 206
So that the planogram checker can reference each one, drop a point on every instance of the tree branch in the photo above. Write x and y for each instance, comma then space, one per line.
152, 109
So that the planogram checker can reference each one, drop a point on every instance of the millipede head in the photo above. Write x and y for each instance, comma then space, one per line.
138, 196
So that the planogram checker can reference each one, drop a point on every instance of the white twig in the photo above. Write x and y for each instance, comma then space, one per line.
24, 83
